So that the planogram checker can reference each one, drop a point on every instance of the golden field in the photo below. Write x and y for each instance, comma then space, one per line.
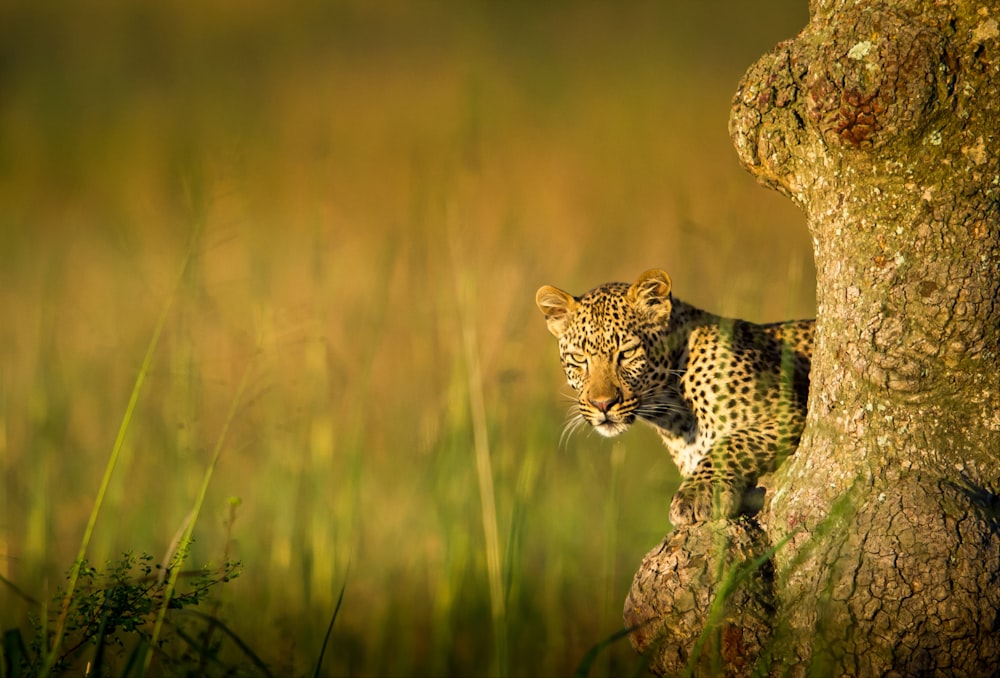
366, 196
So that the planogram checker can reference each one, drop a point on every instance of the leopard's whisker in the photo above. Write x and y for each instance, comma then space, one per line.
571, 427
664, 403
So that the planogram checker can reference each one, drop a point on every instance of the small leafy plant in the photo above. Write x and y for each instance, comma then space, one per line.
110, 620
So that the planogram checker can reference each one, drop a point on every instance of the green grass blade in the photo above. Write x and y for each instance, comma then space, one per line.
18, 592
175, 568
244, 648
13, 655
134, 662
53, 653
589, 659
717, 610
97, 665
329, 629
484, 464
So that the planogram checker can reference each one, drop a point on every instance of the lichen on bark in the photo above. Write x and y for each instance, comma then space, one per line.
881, 120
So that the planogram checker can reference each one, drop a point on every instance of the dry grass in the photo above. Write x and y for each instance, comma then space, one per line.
371, 184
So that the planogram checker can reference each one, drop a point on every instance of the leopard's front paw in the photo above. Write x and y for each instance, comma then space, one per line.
697, 502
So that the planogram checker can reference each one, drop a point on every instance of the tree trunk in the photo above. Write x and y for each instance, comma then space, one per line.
882, 121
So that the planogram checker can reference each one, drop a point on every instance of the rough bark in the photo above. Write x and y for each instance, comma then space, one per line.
881, 120
705, 598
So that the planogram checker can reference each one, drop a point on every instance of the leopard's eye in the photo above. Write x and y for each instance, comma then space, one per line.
630, 352
576, 359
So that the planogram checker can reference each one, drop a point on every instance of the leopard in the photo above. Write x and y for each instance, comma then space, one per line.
728, 397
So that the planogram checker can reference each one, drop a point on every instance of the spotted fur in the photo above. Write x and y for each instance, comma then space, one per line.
727, 397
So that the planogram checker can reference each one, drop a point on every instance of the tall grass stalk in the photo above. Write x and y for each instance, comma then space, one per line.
484, 465
518, 518
329, 628
192, 519
116, 451
611, 531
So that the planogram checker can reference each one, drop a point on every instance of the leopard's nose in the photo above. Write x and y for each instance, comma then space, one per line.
605, 402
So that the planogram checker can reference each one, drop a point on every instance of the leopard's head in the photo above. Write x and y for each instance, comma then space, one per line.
610, 347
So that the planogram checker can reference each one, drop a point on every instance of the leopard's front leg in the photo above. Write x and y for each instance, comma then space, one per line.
716, 488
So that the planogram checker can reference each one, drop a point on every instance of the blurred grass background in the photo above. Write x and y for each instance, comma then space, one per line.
373, 183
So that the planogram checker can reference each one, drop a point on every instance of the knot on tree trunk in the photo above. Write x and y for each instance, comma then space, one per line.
862, 79
862, 120
704, 599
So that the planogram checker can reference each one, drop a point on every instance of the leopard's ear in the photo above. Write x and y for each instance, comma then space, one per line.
651, 292
556, 306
